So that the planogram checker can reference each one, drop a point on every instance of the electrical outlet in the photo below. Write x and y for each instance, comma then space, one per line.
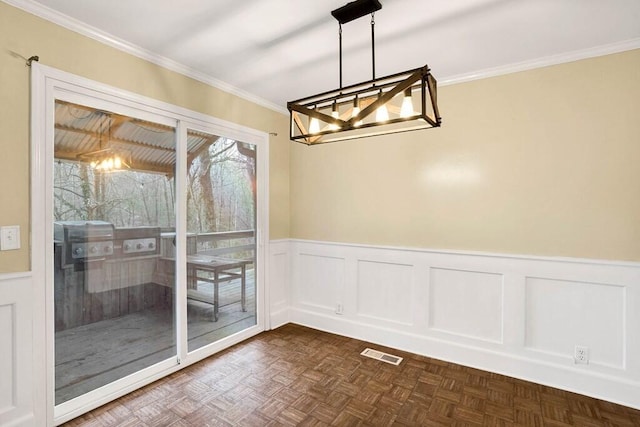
339, 309
581, 355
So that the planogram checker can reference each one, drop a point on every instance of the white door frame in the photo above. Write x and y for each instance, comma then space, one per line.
49, 84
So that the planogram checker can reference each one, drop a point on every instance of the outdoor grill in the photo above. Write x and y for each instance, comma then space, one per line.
137, 241
83, 241
102, 271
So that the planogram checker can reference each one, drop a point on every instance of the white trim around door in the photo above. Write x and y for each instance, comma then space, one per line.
48, 85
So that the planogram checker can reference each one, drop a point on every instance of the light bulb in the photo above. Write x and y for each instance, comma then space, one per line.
382, 114
356, 111
336, 115
94, 164
117, 162
314, 125
407, 105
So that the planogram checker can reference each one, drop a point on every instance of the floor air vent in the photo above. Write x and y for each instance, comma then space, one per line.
378, 355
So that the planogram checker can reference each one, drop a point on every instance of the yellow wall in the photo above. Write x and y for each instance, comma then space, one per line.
23, 35
543, 162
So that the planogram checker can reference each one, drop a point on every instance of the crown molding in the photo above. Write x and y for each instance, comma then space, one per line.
545, 61
84, 29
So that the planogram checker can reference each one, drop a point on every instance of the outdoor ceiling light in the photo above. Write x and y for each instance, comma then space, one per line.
105, 159
397, 103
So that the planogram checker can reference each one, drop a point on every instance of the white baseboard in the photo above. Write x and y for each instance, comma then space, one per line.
520, 316
612, 389
280, 317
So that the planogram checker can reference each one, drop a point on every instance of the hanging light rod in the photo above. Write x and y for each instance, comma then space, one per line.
355, 9
395, 103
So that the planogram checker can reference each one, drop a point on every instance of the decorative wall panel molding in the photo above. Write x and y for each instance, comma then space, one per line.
385, 291
579, 314
7, 357
17, 386
278, 283
521, 316
324, 279
466, 303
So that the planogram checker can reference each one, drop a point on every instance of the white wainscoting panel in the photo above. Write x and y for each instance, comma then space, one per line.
563, 314
323, 278
466, 303
520, 316
385, 290
7, 355
16, 351
278, 285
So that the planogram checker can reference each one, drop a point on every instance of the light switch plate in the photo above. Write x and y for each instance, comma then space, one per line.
10, 237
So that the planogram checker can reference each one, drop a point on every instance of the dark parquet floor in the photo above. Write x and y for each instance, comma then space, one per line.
296, 376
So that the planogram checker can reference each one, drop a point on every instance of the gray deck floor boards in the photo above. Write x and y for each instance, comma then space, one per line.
93, 355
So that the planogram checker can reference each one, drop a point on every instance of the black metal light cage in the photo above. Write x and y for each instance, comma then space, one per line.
337, 118
379, 106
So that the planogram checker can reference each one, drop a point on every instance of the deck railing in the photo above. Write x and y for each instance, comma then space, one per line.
237, 242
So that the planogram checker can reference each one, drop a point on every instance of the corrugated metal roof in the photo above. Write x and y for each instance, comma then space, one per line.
82, 134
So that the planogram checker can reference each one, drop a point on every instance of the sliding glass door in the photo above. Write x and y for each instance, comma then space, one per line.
113, 199
150, 218
220, 241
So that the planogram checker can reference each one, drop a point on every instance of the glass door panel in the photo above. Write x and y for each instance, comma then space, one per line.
221, 238
114, 222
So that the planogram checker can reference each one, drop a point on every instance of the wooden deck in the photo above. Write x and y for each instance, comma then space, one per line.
93, 355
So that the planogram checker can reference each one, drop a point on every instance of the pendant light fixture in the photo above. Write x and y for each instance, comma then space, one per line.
105, 159
396, 103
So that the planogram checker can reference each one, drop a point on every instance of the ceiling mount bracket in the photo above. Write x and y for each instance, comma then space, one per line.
356, 9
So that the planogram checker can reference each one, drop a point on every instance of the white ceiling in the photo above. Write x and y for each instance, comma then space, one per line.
280, 50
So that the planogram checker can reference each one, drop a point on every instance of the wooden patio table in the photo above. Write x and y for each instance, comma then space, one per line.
222, 269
